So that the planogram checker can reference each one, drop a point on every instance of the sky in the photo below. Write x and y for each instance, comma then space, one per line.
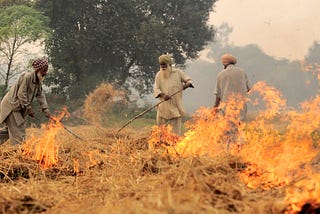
282, 28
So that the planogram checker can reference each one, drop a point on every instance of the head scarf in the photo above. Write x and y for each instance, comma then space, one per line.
40, 63
165, 59
228, 59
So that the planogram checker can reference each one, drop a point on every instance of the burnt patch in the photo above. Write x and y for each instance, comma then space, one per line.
13, 172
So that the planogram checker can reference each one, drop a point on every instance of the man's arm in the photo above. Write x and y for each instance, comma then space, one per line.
22, 92
156, 88
187, 83
247, 84
217, 102
217, 92
43, 101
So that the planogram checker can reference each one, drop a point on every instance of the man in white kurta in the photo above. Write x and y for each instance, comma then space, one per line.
168, 81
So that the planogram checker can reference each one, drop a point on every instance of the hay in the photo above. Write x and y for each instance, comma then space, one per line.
98, 102
26, 204
123, 175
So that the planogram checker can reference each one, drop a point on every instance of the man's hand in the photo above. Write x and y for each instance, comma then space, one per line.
47, 113
215, 110
31, 113
187, 85
166, 97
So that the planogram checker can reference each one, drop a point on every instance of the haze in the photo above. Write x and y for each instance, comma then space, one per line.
282, 28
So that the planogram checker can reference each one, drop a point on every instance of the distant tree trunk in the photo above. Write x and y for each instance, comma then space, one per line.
7, 78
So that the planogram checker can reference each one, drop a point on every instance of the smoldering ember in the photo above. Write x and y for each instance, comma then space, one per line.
276, 170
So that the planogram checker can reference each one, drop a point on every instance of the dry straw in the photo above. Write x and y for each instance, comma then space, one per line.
99, 102
125, 176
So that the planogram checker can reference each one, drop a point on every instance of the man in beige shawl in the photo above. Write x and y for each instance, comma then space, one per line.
232, 86
231, 90
16, 104
168, 81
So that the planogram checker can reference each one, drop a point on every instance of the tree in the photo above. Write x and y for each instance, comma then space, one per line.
285, 75
18, 25
120, 41
312, 60
312, 66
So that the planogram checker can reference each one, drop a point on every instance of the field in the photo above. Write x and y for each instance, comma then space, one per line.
146, 169
120, 175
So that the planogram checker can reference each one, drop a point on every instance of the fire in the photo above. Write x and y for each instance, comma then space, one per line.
76, 166
162, 135
44, 147
306, 191
277, 147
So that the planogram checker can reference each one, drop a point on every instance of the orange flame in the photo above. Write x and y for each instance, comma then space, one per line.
306, 191
76, 166
44, 148
277, 147
162, 136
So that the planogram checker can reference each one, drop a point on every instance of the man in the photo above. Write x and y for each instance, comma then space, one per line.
231, 91
16, 104
232, 87
168, 81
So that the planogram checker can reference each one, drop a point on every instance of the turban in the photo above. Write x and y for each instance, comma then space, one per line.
228, 59
165, 59
40, 63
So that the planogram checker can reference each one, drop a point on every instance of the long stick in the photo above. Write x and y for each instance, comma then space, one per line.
68, 130
147, 110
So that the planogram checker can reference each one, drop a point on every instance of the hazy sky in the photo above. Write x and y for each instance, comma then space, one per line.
282, 28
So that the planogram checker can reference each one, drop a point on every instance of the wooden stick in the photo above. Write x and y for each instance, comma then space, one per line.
68, 130
147, 110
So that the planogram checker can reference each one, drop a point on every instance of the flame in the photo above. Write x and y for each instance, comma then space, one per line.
162, 135
277, 147
306, 191
44, 148
76, 166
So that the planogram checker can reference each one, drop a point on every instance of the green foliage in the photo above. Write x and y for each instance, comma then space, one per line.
23, 23
120, 41
19, 24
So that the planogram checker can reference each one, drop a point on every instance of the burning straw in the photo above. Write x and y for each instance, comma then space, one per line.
44, 147
271, 158
274, 172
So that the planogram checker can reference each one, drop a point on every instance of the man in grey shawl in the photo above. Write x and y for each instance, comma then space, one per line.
16, 104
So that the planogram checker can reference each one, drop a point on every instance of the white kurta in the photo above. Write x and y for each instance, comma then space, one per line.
172, 108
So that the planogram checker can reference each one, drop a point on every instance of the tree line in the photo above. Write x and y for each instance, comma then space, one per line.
89, 41
297, 80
